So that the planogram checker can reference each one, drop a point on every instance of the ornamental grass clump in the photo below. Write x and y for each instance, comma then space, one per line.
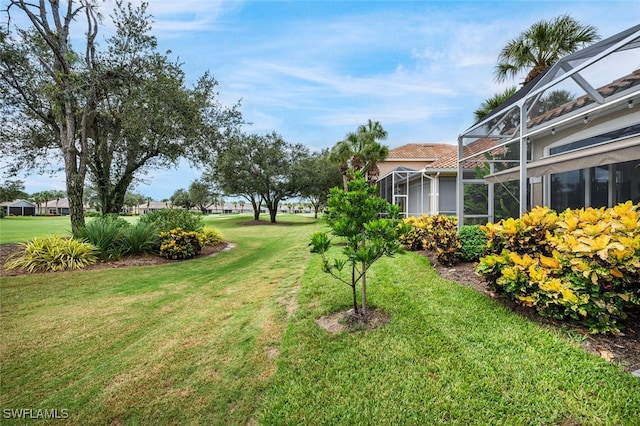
140, 238
179, 244
115, 237
48, 254
105, 233
587, 267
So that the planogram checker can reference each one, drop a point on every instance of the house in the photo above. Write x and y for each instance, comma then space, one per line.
568, 139
420, 178
57, 207
152, 206
18, 208
220, 208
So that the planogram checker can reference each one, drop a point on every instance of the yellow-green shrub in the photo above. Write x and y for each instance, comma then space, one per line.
179, 244
434, 232
46, 254
210, 237
587, 267
525, 235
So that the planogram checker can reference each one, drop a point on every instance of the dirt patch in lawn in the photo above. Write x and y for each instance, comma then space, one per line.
623, 349
7, 250
350, 321
261, 222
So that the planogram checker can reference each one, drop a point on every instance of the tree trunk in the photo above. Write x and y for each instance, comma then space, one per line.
353, 288
74, 173
364, 289
75, 188
364, 279
256, 209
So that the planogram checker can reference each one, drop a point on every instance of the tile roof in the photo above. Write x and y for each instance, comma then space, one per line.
448, 162
477, 146
618, 85
421, 151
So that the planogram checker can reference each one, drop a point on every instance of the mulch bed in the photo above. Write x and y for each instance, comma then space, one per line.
7, 250
623, 349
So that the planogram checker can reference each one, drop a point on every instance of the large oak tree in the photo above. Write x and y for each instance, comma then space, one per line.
48, 93
261, 169
112, 114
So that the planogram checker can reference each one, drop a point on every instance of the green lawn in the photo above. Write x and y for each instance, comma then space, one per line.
232, 339
15, 229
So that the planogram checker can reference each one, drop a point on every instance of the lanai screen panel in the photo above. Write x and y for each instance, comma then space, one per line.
570, 104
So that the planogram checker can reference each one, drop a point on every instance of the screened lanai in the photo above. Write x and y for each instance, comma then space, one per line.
420, 192
568, 139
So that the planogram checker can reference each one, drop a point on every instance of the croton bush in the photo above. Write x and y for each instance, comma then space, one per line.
582, 264
434, 232
180, 244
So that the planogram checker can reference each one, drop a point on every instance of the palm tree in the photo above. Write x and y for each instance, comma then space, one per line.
361, 151
493, 102
38, 198
541, 46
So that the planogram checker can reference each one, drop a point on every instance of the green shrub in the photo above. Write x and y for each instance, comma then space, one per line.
587, 269
140, 238
167, 219
53, 254
211, 237
92, 214
473, 243
106, 233
179, 244
434, 232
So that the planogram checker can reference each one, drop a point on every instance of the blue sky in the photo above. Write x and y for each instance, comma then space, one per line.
315, 70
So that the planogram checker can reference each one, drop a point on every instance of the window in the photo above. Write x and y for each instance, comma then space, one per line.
567, 190
596, 140
447, 195
599, 186
627, 179
573, 189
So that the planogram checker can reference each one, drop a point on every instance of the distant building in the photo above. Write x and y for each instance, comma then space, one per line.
18, 208
152, 206
420, 178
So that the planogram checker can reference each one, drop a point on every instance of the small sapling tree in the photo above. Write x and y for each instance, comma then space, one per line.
369, 225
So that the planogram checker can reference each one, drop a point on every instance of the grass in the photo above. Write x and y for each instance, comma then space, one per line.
15, 229
449, 355
217, 341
